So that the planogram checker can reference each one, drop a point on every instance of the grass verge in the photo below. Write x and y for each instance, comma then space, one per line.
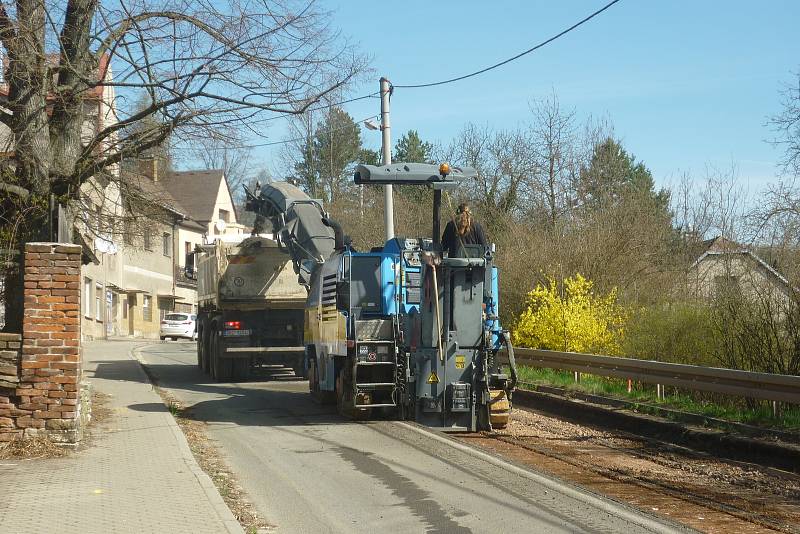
709, 405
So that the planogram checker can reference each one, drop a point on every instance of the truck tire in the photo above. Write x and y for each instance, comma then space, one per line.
241, 369
317, 395
207, 349
200, 348
300, 369
313, 383
221, 368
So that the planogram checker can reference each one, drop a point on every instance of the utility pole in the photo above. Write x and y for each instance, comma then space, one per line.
388, 200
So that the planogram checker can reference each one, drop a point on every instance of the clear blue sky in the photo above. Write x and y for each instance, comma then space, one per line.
685, 83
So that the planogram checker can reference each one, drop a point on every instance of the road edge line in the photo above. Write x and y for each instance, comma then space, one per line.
216, 501
606, 505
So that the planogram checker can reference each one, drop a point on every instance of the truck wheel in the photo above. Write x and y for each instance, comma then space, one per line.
313, 385
200, 351
317, 395
241, 369
222, 368
300, 369
206, 343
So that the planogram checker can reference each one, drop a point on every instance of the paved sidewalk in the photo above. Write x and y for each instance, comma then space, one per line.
136, 475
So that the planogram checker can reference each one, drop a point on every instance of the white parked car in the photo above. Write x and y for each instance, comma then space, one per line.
175, 325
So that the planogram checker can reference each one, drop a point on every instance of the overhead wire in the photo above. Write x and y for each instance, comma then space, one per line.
514, 58
326, 106
305, 137
436, 83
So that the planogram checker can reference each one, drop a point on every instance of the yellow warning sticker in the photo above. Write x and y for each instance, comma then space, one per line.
434, 378
460, 361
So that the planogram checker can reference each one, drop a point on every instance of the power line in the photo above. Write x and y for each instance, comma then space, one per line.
304, 138
509, 60
326, 106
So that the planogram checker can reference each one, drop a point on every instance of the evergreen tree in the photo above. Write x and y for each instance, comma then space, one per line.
411, 149
325, 164
614, 177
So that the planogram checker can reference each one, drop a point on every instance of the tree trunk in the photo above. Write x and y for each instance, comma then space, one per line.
27, 98
77, 64
27, 76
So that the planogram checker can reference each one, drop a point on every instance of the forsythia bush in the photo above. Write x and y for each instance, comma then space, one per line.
580, 321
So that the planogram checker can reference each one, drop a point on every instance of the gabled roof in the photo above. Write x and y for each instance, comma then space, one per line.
156, 193
152, 191
720, 246
197, 192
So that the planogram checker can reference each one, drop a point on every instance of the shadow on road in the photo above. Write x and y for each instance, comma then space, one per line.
253, 403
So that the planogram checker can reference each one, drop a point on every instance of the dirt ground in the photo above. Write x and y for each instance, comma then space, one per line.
692, 488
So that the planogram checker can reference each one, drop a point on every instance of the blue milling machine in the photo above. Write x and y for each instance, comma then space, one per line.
401, 331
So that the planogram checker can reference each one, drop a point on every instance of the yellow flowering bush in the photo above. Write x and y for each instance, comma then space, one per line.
574, 320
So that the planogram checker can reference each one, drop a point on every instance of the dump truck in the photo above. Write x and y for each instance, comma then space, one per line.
250, 308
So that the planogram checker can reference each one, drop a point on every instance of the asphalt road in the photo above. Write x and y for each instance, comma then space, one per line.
306, 469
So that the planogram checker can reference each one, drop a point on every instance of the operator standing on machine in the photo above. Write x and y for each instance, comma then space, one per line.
464, 230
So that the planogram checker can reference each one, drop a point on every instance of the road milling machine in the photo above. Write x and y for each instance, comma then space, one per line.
402, 330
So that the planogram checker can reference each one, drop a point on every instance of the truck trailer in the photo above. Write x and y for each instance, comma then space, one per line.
251, 308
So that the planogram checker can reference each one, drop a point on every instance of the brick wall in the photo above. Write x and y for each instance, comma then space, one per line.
9, 379
46, 399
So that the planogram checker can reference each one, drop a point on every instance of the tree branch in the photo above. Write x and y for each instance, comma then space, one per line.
17, 190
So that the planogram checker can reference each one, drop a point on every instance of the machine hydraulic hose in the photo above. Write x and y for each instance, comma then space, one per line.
511, 362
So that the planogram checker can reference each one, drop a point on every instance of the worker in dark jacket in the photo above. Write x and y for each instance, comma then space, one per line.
464, 230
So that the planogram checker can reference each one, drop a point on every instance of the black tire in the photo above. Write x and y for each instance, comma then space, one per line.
317, 395
206, 342
222, 368
342, 400
241, 369
200, 351
313, 385
300, 369
163, 338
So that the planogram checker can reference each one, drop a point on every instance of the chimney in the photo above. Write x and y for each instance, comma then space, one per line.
149, 167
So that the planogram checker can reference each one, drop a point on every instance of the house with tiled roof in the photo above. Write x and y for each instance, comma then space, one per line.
207, 199
723, 266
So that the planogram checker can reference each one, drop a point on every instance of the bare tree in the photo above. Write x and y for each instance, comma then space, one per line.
198, 66
786, 126
225, 151
504, 163
554, 144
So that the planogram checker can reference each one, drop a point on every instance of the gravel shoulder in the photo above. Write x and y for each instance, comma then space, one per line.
692, 488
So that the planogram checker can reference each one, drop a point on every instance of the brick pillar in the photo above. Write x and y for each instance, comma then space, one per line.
50, 366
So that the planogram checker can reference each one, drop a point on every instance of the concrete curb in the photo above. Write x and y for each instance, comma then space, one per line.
224, 513
609, 506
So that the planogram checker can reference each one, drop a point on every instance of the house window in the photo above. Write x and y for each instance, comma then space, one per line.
166, 243
165, 306
188, 256
148, 239
225, 215
87, 297
127, 234
147, 308
98, 303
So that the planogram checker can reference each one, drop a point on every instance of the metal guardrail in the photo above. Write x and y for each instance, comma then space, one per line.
765, 386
